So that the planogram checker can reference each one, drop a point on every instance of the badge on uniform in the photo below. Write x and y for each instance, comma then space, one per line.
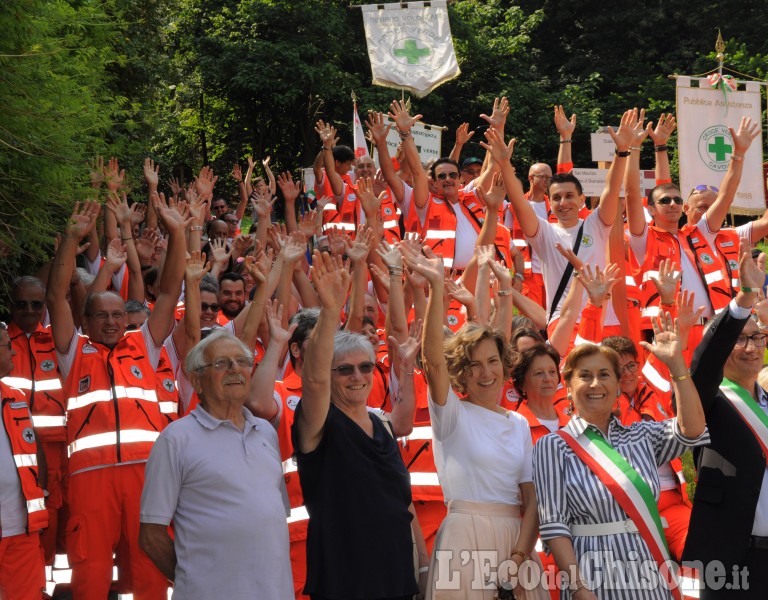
707, 259
586, 241
292, 402
19, 404
28, 435
136, 372
453, 320
351, 198
47, 365
168, 385
387, 211
84, 385
89, 349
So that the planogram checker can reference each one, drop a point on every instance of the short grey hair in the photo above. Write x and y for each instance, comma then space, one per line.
196, 356
346, 342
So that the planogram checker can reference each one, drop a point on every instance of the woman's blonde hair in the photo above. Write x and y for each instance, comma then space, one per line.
460, 347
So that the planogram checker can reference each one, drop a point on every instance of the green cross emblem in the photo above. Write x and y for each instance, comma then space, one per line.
411, 52
719, 148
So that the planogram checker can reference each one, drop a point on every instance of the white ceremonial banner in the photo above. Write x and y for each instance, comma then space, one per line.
410, 45
705, 144
428, 139
593, 181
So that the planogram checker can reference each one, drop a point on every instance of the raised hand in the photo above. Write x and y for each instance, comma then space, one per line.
290, 188
138, 213
565, 126
459, 293
409, 349
370, 203
219, 252
498, 115
493, 196
308, 223
750, 275
623, 136
294, 247
278, 334
265, 163
151, 173
113, 175
82, 219
398, 112
241, 244
377, 127
390, 255
262, 204
331, 280
380, 275
663, 130
196, 267
503, 276
500, 152
237, 173
327, 133
426, 263
258, 266
96, 169
358, 250
484, 255
198, 207
463, 134
205, 181
742, 139
667, 346
117, 255
145, 245
598, 283
667, 281
172, 219
379, 184
570, 256
123, 213
638, 131
176, 189
687, 316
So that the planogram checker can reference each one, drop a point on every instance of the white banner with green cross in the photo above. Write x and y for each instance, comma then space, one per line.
410, 45
705, 145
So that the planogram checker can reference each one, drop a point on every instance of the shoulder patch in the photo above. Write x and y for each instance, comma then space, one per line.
28, 435
47, 365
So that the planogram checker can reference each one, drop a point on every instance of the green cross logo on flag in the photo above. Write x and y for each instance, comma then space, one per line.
411, 50
716, 147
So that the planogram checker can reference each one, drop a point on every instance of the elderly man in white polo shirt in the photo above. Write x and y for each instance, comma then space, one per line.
216, 474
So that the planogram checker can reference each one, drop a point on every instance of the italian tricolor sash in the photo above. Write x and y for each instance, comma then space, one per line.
748, 410
631, 492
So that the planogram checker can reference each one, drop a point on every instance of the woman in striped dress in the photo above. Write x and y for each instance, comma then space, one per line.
597, 480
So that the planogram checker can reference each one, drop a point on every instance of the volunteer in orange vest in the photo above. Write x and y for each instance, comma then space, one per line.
36, 373
589, 236
22, 481
694, 247
455, 220
113, 415
348, 209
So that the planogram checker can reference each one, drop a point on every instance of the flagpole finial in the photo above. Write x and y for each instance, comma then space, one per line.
720, 46
354, 97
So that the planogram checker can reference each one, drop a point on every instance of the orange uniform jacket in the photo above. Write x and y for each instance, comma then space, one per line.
113, 415
18, 427
36, 373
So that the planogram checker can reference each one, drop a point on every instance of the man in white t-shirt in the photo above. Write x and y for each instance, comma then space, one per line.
566, 199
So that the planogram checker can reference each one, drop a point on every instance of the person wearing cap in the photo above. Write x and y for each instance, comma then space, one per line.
471, 168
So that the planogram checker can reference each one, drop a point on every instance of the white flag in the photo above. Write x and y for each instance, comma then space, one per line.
706, 145
361, 148
410, 48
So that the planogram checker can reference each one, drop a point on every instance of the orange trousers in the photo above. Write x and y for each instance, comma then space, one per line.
678, 515
53, 537
104, 519
430, 514
22, 569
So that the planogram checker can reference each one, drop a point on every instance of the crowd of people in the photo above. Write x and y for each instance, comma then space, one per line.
423, 381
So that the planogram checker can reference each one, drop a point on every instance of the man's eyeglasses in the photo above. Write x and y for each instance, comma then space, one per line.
346, 370
669, 200
228, 364
443, 176
630, 367
34, 304
758, 339
204, 306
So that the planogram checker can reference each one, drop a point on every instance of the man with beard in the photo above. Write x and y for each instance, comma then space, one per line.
231, 294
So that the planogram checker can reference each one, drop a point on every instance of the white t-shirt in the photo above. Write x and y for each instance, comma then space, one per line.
691, 280
466, 238
480, 455
592, 250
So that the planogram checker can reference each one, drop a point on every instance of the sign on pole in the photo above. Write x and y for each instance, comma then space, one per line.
428, 140
703, 118
410, 45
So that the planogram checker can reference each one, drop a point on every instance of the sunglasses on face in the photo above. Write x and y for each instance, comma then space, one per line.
704, 188
443, 176
669, 200
346, 370
204, 306
34, 304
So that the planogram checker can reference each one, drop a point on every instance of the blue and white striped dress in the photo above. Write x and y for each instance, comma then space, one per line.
615, 567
